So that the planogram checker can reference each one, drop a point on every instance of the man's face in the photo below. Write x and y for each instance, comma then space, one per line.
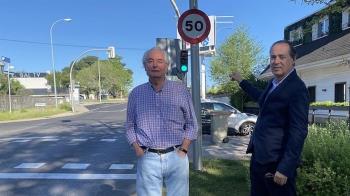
156, 66
280, 60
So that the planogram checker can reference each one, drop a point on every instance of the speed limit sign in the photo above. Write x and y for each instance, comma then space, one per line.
193, 26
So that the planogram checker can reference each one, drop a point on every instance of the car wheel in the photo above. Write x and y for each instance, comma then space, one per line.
246, 128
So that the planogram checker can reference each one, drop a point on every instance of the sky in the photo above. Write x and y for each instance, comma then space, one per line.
131, 26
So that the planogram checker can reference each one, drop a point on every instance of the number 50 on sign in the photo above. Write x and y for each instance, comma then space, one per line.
193, 26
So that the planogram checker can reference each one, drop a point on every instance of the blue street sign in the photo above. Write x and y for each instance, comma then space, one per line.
6, 60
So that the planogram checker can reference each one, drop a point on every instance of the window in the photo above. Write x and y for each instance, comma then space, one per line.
222, 107
207, 106
296, 35
312, 93
340, 92
321, 28
346, 18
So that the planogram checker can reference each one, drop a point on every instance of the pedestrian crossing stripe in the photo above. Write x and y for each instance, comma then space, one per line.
75, 166
67, 176
121, 166
29, 165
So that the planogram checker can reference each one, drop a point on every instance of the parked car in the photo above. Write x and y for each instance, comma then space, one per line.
238, 123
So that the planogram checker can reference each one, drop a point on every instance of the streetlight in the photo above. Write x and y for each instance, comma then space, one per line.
111, 54
52, 58
99, 79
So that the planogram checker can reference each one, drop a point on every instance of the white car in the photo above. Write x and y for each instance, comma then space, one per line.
238, 122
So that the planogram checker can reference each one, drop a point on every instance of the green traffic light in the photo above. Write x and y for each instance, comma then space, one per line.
183, 68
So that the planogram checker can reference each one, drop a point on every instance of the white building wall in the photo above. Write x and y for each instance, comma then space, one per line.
33, 83
325, 79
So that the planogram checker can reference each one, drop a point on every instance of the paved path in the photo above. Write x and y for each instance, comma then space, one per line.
233, 150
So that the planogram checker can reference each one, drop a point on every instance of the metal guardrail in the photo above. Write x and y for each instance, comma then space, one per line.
328, 113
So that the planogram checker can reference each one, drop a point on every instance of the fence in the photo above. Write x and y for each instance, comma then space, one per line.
22, 102
318, 114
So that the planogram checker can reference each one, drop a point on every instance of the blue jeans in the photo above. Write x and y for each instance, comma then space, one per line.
154, 169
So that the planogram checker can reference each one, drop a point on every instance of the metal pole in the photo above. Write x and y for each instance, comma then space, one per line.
9, 86
99, 79
349, 109
53, 59
195, 86
53, 65
203, 80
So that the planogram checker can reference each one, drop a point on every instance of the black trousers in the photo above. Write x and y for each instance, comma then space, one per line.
262, 185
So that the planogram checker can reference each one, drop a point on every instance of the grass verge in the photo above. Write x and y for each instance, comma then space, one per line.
220, 177
33, 113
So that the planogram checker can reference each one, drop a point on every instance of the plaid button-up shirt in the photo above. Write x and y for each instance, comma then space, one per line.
160, 119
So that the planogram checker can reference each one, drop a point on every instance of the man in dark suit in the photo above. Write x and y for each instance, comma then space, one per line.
281, 128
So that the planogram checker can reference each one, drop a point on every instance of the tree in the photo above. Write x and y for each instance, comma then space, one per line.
333, 6
16, 87
238, 53
116, 80
62, 79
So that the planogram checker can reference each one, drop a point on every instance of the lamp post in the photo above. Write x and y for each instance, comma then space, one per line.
9, 85
52, 56
111, 54
99, 80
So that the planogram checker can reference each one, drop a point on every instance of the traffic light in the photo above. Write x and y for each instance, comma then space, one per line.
111, 52
183, 67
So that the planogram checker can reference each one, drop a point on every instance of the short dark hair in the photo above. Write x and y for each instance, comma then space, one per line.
292, 51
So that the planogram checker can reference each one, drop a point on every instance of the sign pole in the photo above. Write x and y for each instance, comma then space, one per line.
9, 86
195, 87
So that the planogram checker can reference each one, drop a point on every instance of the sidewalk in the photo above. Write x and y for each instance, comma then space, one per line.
234, 150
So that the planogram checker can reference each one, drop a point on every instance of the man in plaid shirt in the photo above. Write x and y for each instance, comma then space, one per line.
161, 123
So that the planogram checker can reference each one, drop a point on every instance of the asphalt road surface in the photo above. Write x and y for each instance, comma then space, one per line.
81, 155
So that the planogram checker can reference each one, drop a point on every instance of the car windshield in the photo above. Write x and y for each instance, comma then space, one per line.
223, 107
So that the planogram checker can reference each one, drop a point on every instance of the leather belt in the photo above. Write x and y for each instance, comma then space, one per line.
160, 151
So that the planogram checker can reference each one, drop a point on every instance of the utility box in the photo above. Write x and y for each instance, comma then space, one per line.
218, 127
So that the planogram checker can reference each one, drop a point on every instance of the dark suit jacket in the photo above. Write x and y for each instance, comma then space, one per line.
282, 123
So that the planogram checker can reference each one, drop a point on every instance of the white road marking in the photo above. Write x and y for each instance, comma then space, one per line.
75, 166
121, 166
67, 176
79, 140
30, 127
21, 141
106, 111
25, 138
49, 140
29, 165
108, 140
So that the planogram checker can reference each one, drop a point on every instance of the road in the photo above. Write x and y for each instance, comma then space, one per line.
81, 155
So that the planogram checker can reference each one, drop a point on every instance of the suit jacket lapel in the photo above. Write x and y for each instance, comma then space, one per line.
263, 97
282, 85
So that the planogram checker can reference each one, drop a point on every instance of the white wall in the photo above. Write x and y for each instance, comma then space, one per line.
326, 78
33, 83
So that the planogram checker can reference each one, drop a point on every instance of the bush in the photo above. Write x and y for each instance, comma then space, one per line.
325, 168
329, 104
65, 106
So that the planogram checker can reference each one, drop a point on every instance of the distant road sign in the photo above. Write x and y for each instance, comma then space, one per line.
5, 59
193, 26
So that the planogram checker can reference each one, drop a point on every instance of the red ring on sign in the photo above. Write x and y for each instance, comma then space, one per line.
191, 39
